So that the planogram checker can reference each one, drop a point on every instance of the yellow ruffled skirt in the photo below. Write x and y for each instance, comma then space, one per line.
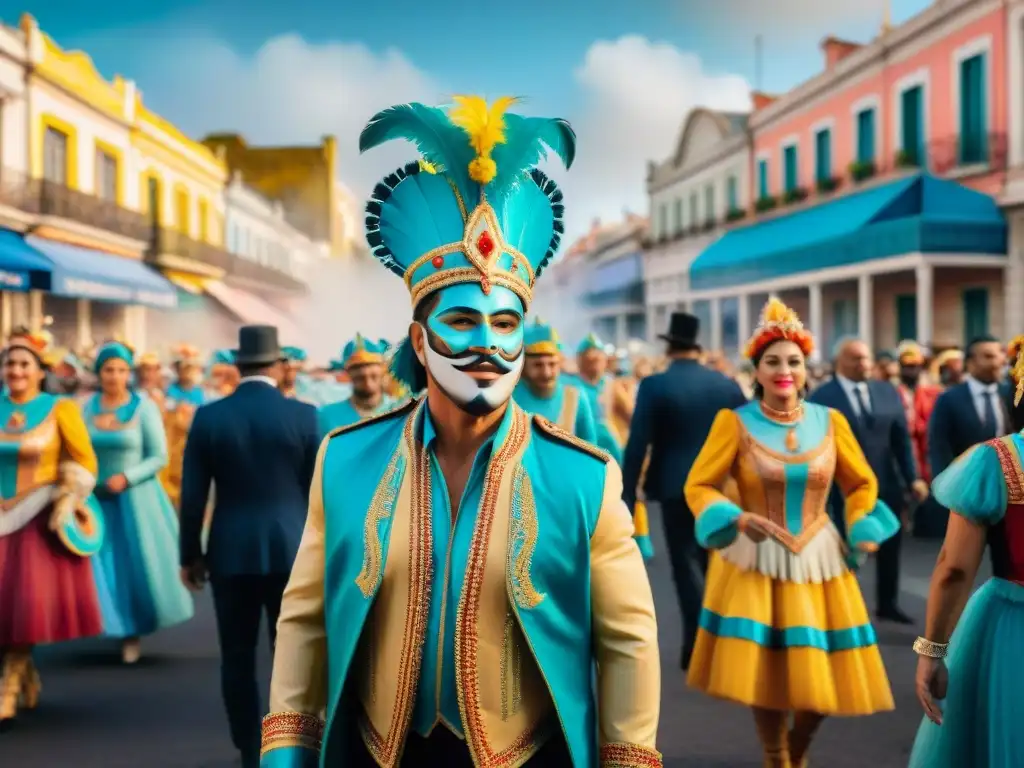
768, 643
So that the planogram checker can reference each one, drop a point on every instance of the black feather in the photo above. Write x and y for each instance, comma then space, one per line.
373, 208
381, 192
392, 180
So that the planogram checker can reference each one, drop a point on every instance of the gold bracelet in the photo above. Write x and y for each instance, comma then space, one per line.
924, 647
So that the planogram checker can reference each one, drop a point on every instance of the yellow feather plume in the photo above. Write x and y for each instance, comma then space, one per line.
485, 126
776, 312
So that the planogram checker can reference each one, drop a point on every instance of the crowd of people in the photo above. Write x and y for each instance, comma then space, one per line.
447, 536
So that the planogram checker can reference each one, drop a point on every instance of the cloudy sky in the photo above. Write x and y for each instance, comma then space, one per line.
625, 73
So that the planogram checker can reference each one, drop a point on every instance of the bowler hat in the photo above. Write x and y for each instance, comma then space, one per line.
257, 345
683, 329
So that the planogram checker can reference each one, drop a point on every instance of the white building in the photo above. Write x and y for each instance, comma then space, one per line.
703, 187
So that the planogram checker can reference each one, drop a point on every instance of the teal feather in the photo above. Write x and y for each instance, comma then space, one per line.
441, 143
527, 140
406, 368
528, 222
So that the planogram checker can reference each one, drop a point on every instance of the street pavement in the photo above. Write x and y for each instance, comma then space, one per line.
165, 712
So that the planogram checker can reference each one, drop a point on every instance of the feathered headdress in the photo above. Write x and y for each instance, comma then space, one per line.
474, 209
592, 341
778, 322
39, 343
542, 339
909, 353
360, 351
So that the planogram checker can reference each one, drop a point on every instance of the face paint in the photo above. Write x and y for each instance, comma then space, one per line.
474, 345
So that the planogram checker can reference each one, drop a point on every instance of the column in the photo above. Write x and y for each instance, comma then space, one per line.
716, 324
621, 331
35, 310
652, 329
1013, 279
866, 310
815, 319
925, 276
743, 329
83, 318
6, 315
19, 309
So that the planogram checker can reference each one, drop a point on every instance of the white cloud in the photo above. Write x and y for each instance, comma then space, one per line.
636, 96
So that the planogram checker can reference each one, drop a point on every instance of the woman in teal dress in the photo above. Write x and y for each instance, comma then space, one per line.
139, 558
970, 680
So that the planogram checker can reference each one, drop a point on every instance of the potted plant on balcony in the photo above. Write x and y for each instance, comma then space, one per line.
905, 159
861, 170
827, 185
795, 195
735, 214
765, 204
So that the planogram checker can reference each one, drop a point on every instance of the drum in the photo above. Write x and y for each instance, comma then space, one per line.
82, 532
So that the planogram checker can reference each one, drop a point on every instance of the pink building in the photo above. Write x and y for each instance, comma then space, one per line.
873, 186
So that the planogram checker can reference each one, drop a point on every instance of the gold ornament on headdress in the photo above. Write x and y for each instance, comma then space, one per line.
778, 322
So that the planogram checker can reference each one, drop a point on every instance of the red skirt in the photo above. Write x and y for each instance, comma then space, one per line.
47, 594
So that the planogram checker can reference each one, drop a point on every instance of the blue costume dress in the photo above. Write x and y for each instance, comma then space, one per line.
981, 719
139, 558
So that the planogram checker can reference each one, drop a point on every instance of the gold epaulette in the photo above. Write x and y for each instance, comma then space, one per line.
555, 432
399, 410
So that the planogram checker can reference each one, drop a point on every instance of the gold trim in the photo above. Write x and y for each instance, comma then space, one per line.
1009, 460
557, 433
524, 534
398, 410
621, 755
291, 729
570, 409
380, 510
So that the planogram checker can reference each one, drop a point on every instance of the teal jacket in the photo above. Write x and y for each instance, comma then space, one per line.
568, 407
605, 437
344, 414
562, 569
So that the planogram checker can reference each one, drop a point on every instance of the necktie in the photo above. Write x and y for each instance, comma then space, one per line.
862, 401
988, 397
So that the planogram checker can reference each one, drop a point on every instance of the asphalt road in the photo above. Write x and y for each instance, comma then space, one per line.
166, 711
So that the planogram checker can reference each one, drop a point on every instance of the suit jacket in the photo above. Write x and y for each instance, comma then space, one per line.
259, 449
955, 426
885, 438
673, 416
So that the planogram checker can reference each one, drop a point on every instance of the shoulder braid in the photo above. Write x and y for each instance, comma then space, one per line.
400, 409
559, 435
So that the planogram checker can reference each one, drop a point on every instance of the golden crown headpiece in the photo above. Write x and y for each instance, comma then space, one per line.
778, 322
909, 353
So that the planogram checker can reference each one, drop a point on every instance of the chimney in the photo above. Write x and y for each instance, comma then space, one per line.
836, 50
761, 99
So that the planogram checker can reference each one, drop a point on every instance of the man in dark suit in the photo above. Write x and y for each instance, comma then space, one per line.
258, 449
877, 417
973, 411
673, 416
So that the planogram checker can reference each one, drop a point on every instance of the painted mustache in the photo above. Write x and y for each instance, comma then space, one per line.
483, 364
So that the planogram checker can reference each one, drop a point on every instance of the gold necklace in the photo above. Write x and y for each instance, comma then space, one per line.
784, 418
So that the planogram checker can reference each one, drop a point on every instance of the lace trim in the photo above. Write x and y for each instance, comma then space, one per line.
823, 557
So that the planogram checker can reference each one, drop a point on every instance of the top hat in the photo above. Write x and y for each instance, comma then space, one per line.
257, 345
682, 330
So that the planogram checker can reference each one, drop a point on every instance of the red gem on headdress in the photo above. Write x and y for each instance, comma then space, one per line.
437, 261
485, 244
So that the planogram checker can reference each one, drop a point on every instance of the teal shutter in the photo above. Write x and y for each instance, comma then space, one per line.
866, 135
906, 317
762, 179
789, 160
975, 303
912, 104
823, 155
732, 194
973, 128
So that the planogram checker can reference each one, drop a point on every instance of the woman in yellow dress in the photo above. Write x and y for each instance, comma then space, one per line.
784, 629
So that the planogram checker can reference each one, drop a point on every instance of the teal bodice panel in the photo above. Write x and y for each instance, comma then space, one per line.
567, 515
811, 431
18, 418
136, 447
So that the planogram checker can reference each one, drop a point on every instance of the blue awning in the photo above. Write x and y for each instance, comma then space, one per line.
21, 266
88, 274
918, 214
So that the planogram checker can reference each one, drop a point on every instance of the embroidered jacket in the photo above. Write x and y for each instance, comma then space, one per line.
547, 568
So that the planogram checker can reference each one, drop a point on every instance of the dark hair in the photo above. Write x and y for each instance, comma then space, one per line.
262, 369
977, 341
405, 366
755, 361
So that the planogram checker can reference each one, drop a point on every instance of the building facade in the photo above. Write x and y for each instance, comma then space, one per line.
1012, 198
873, 187
701, 189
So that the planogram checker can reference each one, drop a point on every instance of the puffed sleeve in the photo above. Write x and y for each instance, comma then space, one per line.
869, 521
78, 464
154, 444
716, 513
293, 731
973, 486
625, 636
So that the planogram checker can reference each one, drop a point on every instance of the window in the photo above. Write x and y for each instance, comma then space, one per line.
975, 303
762, 179
106, 176
677, 223
709, 203
912, 136
866, 135
906, 316
662, 220
55, 156
153, 196
693, 209
844, 319
204, 220
823, 155
732, 194
790, 168
181, 210
973, 128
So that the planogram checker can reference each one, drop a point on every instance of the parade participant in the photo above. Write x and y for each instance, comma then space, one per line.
887, 367
947, 368
221, 375
543, 390
781, 603
184, 396
971, 718
48, 588
149, 378
295, 384
363, 361
139, 554
593, 379
918, 402
476, 645
1014, 408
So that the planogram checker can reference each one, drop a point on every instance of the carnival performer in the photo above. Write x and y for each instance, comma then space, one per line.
593, 378
781, 603
476, 645
184, 396
49, 592
363, 361
221, 375
295, 384
971, 716
544, 391
149, 378
918, 402
139, 555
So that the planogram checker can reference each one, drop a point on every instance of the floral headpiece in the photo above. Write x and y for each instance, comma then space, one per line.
542, 339
778, 322
909, 353
474, 209
148, 360
186, 354
39, 343
1014, 347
